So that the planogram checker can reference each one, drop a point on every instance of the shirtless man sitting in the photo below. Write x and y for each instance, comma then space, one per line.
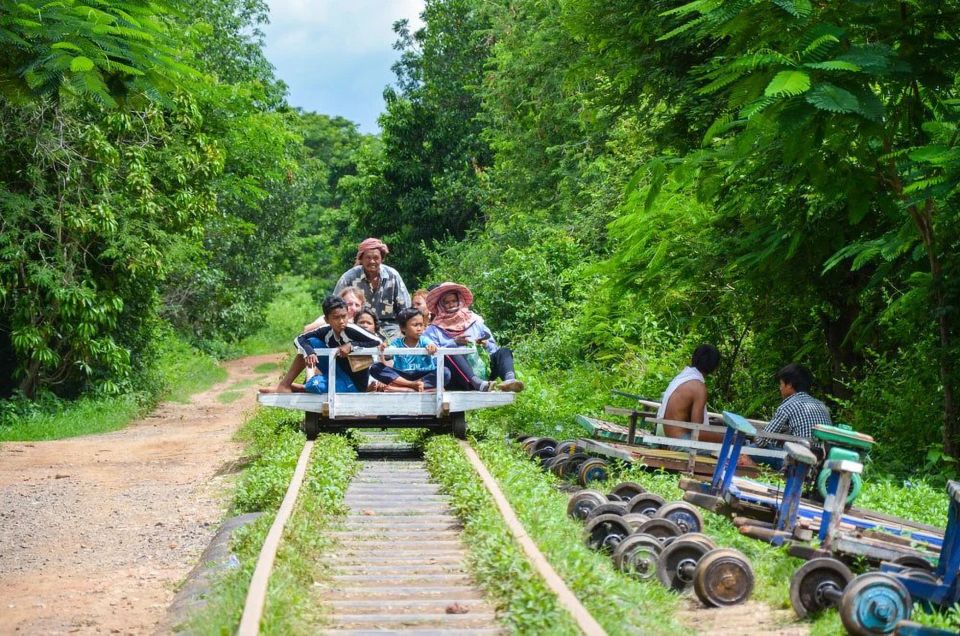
685, 399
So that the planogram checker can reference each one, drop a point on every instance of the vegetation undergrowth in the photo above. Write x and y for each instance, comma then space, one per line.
526, 605
292, 606
180, 372
621, 605
294, 306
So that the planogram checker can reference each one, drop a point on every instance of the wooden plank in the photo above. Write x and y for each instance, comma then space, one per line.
472, 400
361, 404
408, 404
616, 410
690, 444
311, 402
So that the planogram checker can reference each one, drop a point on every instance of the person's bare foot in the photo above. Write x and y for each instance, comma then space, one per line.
297, 388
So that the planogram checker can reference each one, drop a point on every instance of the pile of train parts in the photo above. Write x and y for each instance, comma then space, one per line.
647, 537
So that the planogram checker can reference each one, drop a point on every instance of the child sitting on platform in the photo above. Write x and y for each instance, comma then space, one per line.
338, 333
416, 372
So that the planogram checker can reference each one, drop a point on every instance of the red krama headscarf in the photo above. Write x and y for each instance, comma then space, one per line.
455, 322
371, 244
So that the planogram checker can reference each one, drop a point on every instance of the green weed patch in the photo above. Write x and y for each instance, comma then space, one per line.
292, 606
180, 372
266, 367
497, 563
229, 396
622, 605
291, 309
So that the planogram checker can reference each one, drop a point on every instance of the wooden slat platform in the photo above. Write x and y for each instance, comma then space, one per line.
351, 405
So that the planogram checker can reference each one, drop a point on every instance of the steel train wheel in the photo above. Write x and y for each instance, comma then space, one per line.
606, 532
608, 508
723, 577
682, 514
678, 563
637, 556
627, 490
458, 425
572, 466
583, 502
702, 538
914, 562
874, 603
645, 503
809, 584
593, 469
635, 519
660, 529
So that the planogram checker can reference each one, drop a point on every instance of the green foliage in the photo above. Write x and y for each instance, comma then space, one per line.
82, 261
107, 53
134, 195
292, 602
425, 185
180, 371
621, 606
778, 178
291, 309
495, 560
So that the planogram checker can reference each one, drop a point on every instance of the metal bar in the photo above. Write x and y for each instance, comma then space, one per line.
332, 383
721, 461
440, 362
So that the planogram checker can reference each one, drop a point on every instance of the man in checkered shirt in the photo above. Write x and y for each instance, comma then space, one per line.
799, 412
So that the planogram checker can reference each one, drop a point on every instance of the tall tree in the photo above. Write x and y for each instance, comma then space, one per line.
427, 184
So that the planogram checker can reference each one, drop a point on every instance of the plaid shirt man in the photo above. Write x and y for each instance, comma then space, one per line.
386, 302
797, 415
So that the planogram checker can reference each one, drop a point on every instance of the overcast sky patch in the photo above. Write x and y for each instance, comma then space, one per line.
336, 55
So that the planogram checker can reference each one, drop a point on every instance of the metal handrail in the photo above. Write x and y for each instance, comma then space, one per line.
440, 354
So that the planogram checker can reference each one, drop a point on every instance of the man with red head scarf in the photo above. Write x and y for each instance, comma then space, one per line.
381, 285
454, 325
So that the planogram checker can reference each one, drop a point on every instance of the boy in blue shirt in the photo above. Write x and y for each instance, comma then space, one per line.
416, 372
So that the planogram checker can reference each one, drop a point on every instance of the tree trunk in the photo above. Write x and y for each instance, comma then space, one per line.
923, 219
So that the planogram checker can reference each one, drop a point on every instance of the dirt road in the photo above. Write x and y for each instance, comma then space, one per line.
96, 532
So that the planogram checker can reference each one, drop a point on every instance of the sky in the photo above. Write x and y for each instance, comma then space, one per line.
335, 55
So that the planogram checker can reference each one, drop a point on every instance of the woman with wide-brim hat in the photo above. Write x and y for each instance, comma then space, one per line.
454, 325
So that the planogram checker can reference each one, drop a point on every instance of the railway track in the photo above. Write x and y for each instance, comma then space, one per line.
400, 565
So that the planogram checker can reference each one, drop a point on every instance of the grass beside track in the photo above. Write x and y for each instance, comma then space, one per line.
622, 606
292, 605
526, 605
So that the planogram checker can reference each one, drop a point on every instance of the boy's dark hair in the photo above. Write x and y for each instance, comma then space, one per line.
797, 376
706, 358
406, 315
330, 303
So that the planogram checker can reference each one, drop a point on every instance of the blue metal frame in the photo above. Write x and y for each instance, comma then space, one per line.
947, 589
789, 508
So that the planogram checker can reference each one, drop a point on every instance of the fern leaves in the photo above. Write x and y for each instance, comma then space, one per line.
833, 99
788, 84
104, 50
